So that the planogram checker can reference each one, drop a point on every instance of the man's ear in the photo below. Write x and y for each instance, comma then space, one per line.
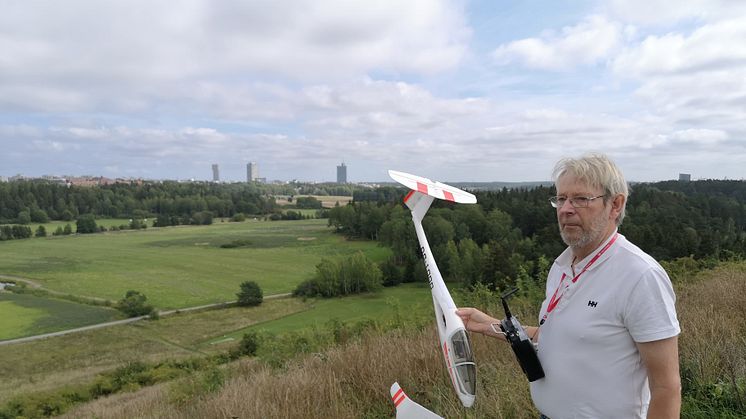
617, 203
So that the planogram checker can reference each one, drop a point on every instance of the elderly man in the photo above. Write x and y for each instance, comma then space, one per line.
607, 334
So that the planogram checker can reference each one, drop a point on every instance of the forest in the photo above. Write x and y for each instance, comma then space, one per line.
510, 237
38, 201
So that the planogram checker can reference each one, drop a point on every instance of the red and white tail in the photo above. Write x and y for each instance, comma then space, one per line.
408, 409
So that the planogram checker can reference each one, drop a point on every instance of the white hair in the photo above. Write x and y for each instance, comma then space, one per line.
597, 171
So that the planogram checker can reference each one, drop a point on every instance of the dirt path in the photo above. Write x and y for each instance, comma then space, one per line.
37, 286
164, 313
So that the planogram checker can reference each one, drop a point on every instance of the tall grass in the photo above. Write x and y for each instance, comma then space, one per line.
712, 313
351, 380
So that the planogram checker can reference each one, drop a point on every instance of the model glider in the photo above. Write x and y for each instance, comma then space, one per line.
406, 408
454, 341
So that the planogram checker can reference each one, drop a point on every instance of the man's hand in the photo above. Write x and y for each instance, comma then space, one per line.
476, 321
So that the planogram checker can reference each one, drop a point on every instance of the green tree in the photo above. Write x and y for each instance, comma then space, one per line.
23, 217
250, 294
134, 304
67, 230
41, 232
86, 224
38, 215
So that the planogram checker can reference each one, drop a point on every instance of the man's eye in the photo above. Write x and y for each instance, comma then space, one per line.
581, 200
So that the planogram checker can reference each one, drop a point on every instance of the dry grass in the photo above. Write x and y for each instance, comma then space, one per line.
346, 382
352, 381
712, 345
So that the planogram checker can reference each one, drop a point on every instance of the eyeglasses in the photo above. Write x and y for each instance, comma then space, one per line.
577, 202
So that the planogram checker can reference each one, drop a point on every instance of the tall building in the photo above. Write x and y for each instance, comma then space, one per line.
342, 173
685, 177
215, 173
252, 172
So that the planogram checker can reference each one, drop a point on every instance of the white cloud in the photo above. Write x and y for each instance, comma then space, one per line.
586, 43
697, 80
702, 136
663, 12
709, 47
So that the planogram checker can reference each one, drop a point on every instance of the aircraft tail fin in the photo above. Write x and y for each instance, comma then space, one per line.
406, 408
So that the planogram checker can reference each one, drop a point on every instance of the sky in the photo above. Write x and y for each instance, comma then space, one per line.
484, 90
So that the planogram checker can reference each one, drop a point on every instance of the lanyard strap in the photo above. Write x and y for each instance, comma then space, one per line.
555, 299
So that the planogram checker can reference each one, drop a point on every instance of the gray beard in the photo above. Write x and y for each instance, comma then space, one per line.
586, 237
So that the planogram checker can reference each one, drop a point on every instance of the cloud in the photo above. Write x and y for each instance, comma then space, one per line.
665, 12
697, 80
586, 43
705, 137
709, 47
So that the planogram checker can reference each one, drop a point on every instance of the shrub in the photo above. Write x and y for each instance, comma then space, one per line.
354, 275
134, 304
86, 224
250, 294
238, 217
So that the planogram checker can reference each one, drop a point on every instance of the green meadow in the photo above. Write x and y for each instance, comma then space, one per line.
395, 303
177, 267
77, 358
26, 315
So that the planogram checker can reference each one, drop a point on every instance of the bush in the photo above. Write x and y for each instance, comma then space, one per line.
41, 232
86, 224
250, 294
238, 217
249, 344
134, 304
354, 275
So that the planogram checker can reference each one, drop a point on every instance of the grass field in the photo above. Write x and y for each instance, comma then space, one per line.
106, 222
77, 358
327, 201
403, 300
181, 266
25, 315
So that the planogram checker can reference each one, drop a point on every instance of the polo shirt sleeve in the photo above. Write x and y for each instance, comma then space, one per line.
650, 311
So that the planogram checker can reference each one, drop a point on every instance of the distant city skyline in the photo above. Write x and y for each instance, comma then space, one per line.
448, 89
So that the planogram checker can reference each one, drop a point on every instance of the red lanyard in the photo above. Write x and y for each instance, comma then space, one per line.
553, 302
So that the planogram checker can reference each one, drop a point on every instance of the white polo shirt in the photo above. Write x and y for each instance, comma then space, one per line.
587, 341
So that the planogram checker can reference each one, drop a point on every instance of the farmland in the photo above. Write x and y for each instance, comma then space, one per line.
182, 266
25, 315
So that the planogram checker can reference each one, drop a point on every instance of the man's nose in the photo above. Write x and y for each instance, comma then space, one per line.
566, 207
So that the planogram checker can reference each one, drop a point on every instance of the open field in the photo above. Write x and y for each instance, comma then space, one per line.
327, 201
181, 266
25, 315
352, 380
403, 301
74, 359
106, 222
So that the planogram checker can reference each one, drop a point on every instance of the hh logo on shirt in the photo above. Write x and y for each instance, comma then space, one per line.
592, 303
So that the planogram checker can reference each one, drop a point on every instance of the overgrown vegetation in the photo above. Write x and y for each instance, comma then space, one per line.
303, 374
334, 278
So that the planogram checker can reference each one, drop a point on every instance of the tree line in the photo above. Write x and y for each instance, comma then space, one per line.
511, 236
38, 201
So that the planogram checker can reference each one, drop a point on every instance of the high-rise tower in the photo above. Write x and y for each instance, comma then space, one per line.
252, 172
215, 173
342, 173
